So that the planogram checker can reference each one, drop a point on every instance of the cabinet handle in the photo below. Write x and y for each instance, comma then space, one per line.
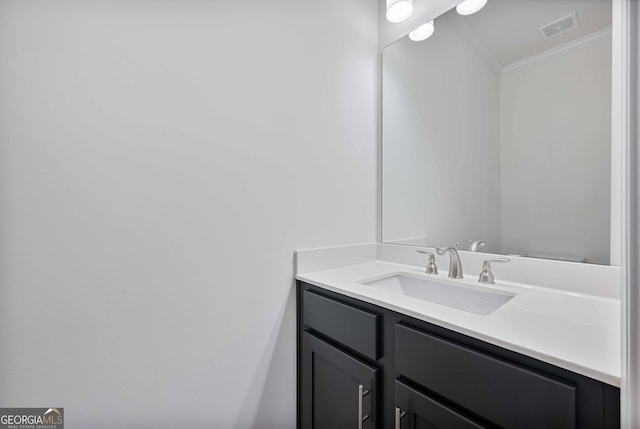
399, 414
361, 394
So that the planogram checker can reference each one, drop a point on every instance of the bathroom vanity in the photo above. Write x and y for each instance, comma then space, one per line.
370, 358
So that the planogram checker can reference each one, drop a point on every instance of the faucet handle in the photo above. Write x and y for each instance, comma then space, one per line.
475, 245
432, 268
486, 276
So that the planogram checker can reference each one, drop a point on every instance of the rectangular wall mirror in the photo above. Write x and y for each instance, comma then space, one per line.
497, 130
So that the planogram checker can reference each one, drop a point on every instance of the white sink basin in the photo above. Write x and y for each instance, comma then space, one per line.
462, 297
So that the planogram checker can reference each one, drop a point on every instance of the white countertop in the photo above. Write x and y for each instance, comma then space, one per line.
574, 331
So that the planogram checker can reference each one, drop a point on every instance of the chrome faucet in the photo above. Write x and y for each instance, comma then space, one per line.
475, 245
455, 266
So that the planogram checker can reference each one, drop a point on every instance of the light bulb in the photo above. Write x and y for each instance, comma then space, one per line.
423, 32
399, 10
467, 7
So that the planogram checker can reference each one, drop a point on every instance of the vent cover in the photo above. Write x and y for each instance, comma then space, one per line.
559, 26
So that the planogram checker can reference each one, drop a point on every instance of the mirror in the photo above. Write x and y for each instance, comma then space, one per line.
493, 133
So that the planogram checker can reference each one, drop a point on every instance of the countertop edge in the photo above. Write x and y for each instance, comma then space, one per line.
605, 377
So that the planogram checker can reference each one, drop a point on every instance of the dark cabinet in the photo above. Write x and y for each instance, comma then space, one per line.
360, 364
416, 410
338, 390
509, 395
350, 326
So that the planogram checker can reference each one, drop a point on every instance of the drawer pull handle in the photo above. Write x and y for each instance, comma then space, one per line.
361, 394
399, 414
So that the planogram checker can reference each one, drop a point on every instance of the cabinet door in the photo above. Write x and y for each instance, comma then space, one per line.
415, 410
338, 390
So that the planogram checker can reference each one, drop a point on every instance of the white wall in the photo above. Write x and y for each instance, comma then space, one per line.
572, 128
441, 173
159, 163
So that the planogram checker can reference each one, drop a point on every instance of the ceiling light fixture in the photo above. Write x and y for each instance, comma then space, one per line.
423, 32
399, 10
467, 7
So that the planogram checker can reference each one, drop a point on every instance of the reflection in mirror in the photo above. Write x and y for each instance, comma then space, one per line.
496, 131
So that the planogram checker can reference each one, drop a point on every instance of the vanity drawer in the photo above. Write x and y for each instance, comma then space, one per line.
355, 328
506, 394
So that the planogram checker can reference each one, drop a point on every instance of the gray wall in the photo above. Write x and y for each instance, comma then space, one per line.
159, 163
556, 154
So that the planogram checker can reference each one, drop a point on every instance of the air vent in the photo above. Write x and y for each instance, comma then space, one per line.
559, 26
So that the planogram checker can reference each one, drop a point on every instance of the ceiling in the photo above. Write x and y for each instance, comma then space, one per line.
508, 29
